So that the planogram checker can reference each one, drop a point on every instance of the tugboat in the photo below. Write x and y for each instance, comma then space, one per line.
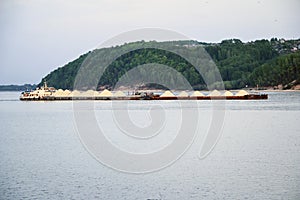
38, 94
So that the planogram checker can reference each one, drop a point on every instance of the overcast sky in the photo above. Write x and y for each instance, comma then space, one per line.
37, 36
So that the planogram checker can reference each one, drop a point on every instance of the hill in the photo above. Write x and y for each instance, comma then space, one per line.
262, 62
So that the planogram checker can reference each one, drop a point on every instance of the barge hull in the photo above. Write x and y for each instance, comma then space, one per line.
245, 97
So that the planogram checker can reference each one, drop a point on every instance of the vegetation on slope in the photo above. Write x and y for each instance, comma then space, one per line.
262, 62
283, 70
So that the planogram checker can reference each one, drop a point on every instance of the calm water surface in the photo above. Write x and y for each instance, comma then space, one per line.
257, 157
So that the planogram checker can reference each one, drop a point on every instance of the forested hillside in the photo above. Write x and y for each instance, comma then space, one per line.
264, 63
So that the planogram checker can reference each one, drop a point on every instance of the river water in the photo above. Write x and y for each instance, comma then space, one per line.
256, 157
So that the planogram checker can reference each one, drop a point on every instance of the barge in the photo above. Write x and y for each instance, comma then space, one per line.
46, 93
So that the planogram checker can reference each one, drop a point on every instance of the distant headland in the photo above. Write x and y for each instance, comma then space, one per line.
25, 87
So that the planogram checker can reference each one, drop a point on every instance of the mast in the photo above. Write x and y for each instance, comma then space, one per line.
45, 85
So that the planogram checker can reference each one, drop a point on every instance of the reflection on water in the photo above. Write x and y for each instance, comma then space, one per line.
257, 156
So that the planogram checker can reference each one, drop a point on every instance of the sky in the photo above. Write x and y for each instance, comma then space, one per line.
38, 36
